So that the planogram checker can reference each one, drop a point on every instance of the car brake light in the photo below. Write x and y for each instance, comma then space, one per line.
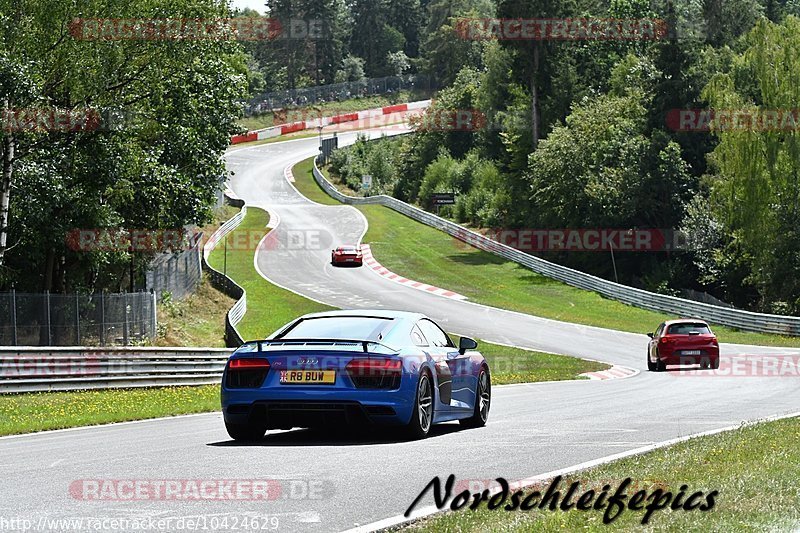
665, 340
248, 364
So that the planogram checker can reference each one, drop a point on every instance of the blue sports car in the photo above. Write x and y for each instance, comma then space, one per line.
380, 367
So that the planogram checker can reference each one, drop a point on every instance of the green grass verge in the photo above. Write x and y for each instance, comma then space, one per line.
516, 365
26, 413
425, 254
268, 306
755, 469
267, 120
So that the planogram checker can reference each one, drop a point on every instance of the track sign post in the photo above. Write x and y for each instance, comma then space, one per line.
327, 146
439, 199
366, 182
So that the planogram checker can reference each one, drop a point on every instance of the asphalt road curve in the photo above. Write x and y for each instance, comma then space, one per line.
325, 482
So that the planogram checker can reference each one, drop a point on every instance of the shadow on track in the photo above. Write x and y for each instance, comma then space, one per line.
338, 437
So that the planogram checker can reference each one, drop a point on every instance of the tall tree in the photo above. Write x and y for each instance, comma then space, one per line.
532, 53
756, 190
169, 109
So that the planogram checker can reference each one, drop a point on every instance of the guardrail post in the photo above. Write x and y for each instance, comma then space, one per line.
77, 318
153, 316
103, 318
126, 325
14, 316
49, 331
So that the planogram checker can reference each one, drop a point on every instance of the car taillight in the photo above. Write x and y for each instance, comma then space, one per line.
246, 373
666, 340
714, 341
375, 373
238, 364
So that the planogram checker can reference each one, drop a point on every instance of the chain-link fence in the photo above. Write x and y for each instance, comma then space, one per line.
76, 319
176, 274
336, 92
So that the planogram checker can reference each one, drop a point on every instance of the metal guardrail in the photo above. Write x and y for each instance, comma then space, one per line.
35, 369
736, 318
225, 284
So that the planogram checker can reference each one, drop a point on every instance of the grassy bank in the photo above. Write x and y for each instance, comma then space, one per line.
199, 320
755, 469
425, 254
26, 413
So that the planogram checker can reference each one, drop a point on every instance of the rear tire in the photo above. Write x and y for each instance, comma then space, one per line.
715, 364
483, 400
661, 366
246, 432
422, 415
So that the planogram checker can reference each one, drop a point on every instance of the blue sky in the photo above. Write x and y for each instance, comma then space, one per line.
258, 5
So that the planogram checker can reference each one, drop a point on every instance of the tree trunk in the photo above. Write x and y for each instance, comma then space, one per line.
5, 188
535, 96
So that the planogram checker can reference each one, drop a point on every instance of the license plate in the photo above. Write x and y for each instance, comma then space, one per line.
350, 260
301, 377
690, 352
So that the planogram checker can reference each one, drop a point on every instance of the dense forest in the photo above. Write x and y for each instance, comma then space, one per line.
582, 134
573, 133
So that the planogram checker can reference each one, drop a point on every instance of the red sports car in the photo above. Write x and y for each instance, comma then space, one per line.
347, 255
682, 342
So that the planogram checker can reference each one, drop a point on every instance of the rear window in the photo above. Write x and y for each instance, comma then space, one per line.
688, 329
362, 328
347, 248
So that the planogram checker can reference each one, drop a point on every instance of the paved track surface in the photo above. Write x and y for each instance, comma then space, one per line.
361, 479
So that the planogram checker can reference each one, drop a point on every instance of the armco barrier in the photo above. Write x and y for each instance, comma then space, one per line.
35, 369
225, 284
736, 318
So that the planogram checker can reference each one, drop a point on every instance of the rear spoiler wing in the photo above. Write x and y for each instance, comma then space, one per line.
364, 343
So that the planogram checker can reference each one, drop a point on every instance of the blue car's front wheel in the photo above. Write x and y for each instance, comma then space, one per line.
422, 416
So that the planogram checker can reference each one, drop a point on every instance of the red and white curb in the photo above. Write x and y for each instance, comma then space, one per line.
287, 173
379, 269
368, 115
615, 372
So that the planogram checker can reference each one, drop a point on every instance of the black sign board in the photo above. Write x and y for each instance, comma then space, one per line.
327, 146
443, 198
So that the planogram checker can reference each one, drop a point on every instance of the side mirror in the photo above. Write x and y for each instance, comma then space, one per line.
650, 335
466, 344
